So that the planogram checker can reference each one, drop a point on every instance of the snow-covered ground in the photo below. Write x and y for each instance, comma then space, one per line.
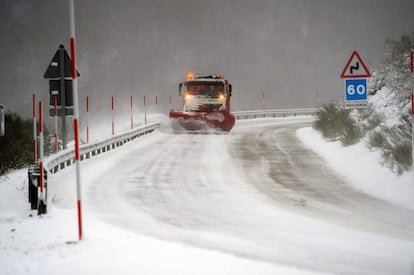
48, 244
361, 167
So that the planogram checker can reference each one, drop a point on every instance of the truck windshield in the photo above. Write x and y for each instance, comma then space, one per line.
207, 89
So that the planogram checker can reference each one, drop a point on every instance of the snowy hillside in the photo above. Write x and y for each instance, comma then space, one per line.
389, 114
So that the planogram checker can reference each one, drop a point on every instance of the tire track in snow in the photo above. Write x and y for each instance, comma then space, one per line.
300, 181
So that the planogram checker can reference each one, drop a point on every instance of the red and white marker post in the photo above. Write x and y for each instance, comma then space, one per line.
318, 101
41, 183
76, 115
132, 119
263, 101
34, 130
113, 122
87, 119
145, 110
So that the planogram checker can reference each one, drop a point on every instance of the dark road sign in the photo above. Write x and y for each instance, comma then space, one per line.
60, 87
54, 90
53, 70
68, 111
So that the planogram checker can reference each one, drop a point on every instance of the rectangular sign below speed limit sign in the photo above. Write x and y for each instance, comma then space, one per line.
356, 96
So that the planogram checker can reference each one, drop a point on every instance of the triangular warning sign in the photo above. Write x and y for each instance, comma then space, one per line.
53, 70
355, 67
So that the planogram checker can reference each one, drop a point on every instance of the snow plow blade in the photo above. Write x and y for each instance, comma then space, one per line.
196, 121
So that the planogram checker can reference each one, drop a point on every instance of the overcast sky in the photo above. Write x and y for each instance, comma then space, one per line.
289, 49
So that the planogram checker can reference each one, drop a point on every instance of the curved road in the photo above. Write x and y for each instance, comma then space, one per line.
255, 193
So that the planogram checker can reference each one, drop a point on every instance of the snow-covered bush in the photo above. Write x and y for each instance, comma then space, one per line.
390, 89
394, 143
335, 123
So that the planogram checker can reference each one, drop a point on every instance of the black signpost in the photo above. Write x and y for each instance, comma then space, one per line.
60, 84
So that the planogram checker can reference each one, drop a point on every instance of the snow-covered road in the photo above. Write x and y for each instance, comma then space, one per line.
295, 175
256, 193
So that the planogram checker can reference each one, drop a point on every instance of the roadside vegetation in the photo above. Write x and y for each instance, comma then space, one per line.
386, 124
16, 147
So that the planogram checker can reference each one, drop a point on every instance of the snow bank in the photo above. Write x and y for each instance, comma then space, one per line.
362, 169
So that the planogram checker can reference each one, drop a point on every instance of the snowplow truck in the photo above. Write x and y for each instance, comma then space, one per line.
206, 104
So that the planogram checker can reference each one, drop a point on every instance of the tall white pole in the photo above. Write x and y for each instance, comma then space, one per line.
76, 117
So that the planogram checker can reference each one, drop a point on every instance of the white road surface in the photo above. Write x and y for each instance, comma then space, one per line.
256, 193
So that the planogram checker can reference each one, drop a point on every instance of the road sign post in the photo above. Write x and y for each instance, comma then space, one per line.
355, 74
56, 124
34, 130
60, 85
63, 94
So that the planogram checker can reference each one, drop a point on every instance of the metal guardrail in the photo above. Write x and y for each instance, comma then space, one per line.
67, 158
274, 113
